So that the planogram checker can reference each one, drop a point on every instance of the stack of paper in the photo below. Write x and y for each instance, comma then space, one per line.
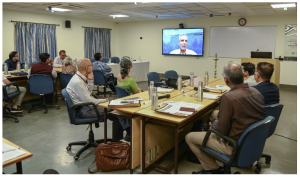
134, 99
164, 90
124, 103
209, 96
225, 87
9, 152
174, 108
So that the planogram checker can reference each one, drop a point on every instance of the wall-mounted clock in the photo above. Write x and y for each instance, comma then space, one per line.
242, 21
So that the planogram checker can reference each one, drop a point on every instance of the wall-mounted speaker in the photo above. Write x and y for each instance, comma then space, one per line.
68, 24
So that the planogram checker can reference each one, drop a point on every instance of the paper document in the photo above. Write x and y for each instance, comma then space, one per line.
135, 98
164, 90
123, 102
209, 96
9, 152
173, 108
225, 87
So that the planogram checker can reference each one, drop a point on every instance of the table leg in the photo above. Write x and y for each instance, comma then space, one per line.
176, 150
105, 125
131, 170
143, 146
19, 168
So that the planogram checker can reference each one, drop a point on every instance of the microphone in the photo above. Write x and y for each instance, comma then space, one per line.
164, 96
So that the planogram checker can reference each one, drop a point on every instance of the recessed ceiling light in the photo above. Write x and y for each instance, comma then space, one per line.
119, 15
283, 5
58, 9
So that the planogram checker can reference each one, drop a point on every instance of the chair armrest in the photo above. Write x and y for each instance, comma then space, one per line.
232, 141
163, 79
80, 105
7, 85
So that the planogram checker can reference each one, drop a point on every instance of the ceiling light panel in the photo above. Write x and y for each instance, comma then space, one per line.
283, 5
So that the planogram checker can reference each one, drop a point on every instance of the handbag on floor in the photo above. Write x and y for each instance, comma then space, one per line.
111, 156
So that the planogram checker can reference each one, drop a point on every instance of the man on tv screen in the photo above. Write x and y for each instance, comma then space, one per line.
183, 40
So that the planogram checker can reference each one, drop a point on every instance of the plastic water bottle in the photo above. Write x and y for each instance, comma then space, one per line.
150, 89
192, 79
154, 99
26, 68
179, 83
131, 59
200, 92
18, 67
109, 61
206, 79
139, 59
5, 69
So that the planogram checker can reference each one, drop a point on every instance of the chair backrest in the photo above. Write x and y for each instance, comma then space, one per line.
92, 60
41, 84
275, 111
65, 79
115, 59
121, 91
171, 73
69, 103
153, 76
99, 78
105, 60
252, 141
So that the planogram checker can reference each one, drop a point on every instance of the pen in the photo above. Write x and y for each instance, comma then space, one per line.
10, 150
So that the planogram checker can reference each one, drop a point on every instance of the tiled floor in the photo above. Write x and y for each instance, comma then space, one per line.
47, 135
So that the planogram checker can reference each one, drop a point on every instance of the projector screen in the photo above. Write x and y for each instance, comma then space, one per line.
183, 41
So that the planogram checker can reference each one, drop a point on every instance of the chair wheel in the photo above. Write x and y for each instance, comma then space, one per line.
268, 160
58, 107
258, 168
29, 111
45, 112
76, 158
68, 148
237, 172
16, 121
256, 171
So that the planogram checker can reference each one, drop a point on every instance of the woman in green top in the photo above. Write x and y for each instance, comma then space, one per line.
124, 80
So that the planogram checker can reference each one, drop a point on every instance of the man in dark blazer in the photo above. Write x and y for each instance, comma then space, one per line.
269, 90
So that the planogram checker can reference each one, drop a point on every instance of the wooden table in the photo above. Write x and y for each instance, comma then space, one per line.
17, 160
137, 120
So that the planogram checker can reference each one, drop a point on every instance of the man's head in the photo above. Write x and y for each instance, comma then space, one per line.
248, 69
183, 40
233, 74
98, 56
263, 72
62, 54
44, 57
13, 56
84, 66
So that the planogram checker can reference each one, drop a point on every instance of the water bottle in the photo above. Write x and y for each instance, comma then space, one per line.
206, 78
131, 59
154, 99
179, 83
139, 59
18, 67
192, 79
200, 92
26, 68
150, 89
5, 69
109, 61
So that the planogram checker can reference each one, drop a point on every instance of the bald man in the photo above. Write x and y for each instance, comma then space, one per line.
239, 108
80, 89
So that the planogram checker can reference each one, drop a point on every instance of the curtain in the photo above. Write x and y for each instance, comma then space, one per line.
97, 40
33, 39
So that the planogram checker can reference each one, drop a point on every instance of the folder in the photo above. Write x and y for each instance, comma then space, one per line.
124, 103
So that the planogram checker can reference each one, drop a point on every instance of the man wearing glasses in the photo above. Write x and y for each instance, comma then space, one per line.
59, 61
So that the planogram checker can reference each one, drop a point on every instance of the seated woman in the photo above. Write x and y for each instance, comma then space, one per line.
127, 82
69, 67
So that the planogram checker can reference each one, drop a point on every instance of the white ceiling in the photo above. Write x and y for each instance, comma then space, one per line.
152, 11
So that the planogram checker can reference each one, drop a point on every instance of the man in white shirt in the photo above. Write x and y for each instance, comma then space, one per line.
249, 69
183, 40
59, 61
11, 89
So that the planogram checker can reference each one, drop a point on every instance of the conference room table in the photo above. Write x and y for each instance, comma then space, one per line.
17, 160
138, 71
154, 134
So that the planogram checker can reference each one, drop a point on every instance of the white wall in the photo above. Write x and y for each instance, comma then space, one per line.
126, 40
150, 47
69, 39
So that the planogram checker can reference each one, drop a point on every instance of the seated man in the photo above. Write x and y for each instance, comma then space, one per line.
12, 61
248, 69
239, 108
43, 67
269, 90
59, 61
11, 89
98, 65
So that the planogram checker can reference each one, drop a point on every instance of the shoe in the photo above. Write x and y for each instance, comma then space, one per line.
127, 138
13, 110
220, 170
203, 172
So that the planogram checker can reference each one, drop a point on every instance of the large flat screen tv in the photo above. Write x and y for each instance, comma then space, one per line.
187, 42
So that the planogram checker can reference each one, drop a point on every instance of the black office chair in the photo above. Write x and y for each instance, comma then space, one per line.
42, 85
9, 98
101, 80
75, 119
